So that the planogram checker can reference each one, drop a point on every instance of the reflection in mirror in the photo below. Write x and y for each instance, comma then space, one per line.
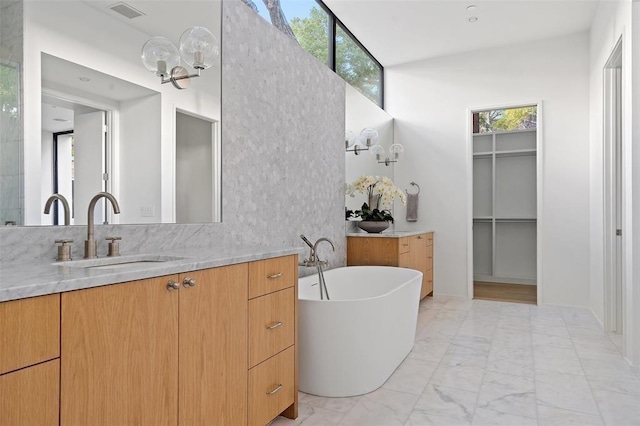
362, 114
118, 127
89, 143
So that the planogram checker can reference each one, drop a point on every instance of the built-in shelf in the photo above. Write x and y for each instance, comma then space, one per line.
515, 153
504, 206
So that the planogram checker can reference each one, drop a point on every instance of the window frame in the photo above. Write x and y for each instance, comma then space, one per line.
331, 35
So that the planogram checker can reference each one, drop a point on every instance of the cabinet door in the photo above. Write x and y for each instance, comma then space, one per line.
372, 251
30, 396
419, 260
213, 347
120, 355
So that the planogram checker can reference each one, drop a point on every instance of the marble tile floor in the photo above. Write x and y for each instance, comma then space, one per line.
479, 362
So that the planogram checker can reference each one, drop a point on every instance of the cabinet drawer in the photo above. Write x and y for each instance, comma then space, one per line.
271, 387
428, 282
429, 238
269, 275
429, 257
271, 325
31, 396
404, 245
30, 331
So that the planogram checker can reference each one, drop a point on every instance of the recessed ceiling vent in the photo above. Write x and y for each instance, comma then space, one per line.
125, 10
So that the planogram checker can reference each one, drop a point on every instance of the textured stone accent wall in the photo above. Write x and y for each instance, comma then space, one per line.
282, 156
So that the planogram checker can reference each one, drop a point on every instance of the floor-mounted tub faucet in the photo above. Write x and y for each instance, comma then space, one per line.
314, 261
65, 205
90, 243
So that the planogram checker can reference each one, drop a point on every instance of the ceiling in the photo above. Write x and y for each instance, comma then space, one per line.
399, 31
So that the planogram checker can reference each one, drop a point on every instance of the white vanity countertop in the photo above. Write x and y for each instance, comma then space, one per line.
388, 234
22, 280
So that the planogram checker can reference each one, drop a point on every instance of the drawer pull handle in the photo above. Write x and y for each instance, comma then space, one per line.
275, 390
274, 325
172, 285
405, 245
189, 282
278, 275
419, 237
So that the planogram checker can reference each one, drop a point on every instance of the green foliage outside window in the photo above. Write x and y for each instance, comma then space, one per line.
313, 34
505, 120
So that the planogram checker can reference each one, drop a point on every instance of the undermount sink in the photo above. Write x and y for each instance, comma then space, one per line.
120, 262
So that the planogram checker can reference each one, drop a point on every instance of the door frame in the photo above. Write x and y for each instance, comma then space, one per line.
613, 208
111, 139
539, 190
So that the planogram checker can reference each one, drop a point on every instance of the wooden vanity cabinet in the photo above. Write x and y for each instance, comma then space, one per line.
209, 347
29, 361
414, 252
141, 353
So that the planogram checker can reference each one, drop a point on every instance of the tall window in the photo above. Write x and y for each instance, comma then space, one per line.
357, 67
320, 33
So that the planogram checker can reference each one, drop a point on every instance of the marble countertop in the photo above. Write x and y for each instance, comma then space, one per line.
22, 280
388, 234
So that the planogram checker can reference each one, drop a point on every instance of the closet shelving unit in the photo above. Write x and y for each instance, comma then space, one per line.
504, 207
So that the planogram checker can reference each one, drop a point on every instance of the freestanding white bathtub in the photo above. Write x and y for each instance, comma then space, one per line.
351, 344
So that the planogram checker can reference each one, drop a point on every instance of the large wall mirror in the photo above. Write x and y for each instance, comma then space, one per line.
95, 119
361, 114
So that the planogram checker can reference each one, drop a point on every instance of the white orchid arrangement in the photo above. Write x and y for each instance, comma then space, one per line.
380, 191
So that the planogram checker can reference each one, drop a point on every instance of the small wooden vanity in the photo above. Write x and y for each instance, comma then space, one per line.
207, 347
406, 250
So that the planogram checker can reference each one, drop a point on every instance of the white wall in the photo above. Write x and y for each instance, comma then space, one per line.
138, 142
612, 22
429, 101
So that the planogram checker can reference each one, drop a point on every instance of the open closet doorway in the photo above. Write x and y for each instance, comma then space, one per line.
613, 193
75, 155
504, 146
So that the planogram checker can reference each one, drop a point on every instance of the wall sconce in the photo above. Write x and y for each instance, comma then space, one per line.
198, 48
394, 152
367, 138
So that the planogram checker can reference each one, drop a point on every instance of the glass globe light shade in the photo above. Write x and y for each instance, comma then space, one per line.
199, 47
378, 151
396, 149
349, 139
159, 55
368, 136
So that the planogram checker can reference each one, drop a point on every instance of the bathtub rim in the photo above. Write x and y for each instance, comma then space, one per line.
406, 282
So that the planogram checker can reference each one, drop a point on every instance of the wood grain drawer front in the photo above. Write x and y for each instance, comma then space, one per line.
271, 387
404, 245
429, 238
30, 331
31, 396
267, 276
271, 325
429, 257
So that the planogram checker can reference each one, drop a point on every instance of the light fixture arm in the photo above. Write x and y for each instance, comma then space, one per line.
179, 77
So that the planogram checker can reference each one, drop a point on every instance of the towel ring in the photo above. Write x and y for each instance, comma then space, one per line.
414, 184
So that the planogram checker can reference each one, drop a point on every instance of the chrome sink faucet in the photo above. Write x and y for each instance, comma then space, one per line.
65, 205
90, 248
